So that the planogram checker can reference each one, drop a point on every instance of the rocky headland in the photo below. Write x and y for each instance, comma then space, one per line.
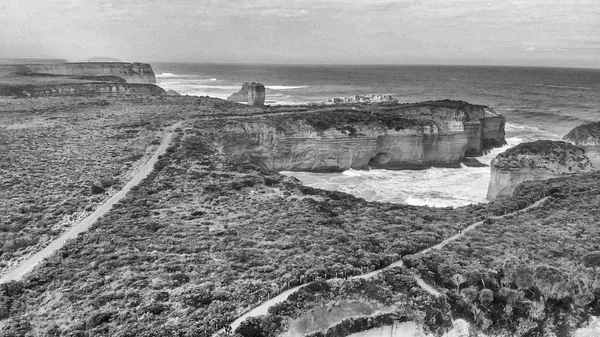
53, 78
537, 160
587, 137
392, 136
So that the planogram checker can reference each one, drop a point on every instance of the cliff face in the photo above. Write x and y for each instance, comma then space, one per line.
82, 89
412, 136
130, 72
588, 138
538, 160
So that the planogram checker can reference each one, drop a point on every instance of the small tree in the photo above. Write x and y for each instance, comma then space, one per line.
486, 296
251, 327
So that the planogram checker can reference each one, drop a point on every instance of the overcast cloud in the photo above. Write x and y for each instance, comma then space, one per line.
511, 32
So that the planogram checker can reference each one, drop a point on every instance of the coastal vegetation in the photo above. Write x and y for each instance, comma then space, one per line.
203, 238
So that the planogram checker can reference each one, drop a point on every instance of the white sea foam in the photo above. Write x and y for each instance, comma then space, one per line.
166, 75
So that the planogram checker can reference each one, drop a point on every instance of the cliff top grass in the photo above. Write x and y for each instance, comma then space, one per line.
587, 134
543, 154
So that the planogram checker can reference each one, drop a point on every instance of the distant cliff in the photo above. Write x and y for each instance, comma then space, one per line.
537, 160
401, 136
82, 89
77, 79
130, 72
587, 137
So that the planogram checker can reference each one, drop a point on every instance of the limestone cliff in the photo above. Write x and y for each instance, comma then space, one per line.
401, 136
537, 160
587, 137
82, 89
130, 72
240, 96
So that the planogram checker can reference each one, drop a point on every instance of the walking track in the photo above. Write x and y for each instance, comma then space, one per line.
27, 265
263, 308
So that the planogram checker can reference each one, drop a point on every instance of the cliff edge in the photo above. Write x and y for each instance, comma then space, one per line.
587, 136
139, 73
537, 160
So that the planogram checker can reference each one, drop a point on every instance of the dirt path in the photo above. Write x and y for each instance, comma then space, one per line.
263, 308
27, 265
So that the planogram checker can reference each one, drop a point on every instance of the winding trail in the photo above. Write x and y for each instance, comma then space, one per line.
263, 308
27, 265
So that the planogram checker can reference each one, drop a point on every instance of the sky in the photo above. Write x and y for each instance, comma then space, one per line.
467, 32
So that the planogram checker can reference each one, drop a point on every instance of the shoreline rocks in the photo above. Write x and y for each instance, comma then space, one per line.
537, 160
362, 99
587, 137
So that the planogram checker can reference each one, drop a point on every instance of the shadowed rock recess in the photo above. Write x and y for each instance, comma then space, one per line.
392, 136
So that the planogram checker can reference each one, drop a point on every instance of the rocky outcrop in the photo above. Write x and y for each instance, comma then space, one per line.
250, 93
538, 160
140, 73
256, 94
406, 136
587, 137
360, 99
82, 89
240, 96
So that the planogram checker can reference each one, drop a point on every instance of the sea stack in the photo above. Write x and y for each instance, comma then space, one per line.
588, 138
256, 94
539, 160
251, 93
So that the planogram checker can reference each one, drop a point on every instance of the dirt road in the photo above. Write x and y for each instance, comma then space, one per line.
27, 265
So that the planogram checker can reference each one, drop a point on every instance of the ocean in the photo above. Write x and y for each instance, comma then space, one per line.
539, 103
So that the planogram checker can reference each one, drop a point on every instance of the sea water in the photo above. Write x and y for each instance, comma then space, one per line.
539, 103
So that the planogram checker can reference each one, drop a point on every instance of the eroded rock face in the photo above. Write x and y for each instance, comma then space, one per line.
256, 94
240, 96
588, 138
409, 136
251, 93
538, 160
366, 99
140, 73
